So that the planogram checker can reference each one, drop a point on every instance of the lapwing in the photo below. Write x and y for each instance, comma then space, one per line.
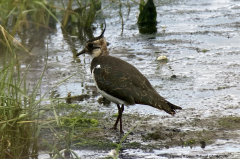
120, 82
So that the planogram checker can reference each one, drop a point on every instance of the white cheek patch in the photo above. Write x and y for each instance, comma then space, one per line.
96, 52
97, 41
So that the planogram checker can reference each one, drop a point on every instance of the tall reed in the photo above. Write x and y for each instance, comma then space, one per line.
18, 108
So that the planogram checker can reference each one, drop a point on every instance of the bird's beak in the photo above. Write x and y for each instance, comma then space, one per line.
81, 52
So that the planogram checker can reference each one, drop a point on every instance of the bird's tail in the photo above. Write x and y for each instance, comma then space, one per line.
163, 104
172, 108
155, 100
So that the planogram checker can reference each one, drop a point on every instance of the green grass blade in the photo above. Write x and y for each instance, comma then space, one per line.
53, 148
43, 5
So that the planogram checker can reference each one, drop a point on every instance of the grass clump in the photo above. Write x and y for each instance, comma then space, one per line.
155, 136
133, 145
229, 122
79, 121
28, 18
19, 112
147, 17
19, 15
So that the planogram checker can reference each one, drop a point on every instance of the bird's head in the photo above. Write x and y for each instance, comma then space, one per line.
96, 46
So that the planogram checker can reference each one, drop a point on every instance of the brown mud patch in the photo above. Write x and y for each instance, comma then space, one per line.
92, 132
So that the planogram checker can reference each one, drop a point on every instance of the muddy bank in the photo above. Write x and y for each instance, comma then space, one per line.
214, 137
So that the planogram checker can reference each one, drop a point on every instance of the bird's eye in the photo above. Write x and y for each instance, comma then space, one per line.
90, 45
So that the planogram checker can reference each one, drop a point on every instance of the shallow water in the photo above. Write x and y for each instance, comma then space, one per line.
206, 83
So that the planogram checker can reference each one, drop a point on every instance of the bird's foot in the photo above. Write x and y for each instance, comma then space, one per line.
115, 128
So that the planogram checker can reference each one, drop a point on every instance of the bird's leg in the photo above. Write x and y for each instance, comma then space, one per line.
121, 110
116, 123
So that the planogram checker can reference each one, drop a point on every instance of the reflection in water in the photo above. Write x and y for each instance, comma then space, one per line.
84, 97
80, 24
